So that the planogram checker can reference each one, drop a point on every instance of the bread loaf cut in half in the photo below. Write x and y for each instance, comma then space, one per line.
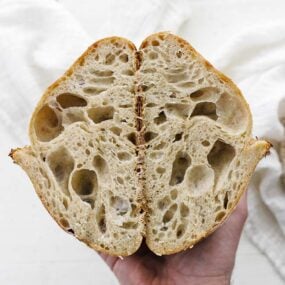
152, 144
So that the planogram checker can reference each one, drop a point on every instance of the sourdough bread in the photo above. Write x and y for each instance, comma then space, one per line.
152, 144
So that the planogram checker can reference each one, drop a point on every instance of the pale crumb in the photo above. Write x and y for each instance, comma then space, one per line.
108, 138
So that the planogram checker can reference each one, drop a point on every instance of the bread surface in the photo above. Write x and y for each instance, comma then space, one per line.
153, 144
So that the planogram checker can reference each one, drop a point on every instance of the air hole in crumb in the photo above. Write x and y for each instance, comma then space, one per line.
220, 156
124, 58
174, 224
144, 87
135, 210
64, 223
125, 106
154, 231
232, 112
61, 164
151, 105
148, 136
93, 90
217, 199
87, 151
201, 80
148, 70
179, 166
179, 54
205, 143
187, 84
121, 205
117, 131
130, 225
155, 43
109, 59
47, 124
89, 201
184, 210
101, 220
230, 174
180, 230
67, 100
173, 194
102, 73
207, 109
120, 180
156, 155
100, 114
220, 216
169, 214
124, 156
74, 116
103, 80
159, 146
160, 170
101, 166
132, 138
160, 119
178, 137
177, 110
200, 179
163, 203
226, 200
84, 182
204, 93
65, 203
153, 55
128, 72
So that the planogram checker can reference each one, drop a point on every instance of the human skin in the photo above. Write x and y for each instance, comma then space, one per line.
210, 262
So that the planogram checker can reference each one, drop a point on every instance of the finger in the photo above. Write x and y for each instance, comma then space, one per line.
237, 219
229, 233
109, 259
242, 208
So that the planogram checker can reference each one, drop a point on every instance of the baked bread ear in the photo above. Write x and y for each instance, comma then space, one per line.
154, 143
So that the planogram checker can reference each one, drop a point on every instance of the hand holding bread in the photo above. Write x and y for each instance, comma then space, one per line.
152, 143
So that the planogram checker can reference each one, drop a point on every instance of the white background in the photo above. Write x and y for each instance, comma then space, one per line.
33, 250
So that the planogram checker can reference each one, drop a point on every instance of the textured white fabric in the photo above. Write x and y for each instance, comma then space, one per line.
256, 59
40, 39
